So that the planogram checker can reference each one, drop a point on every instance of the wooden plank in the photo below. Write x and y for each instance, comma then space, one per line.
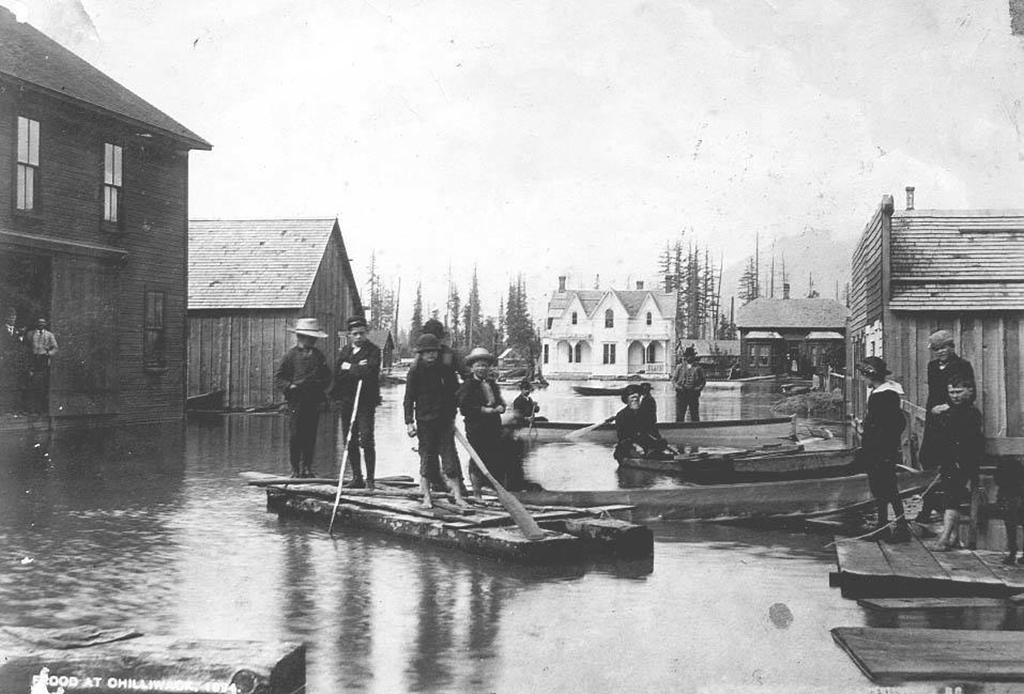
1012, 576
934, 654
964, 567
913, 560
861, 557
989, 374
911, 604
1014, 379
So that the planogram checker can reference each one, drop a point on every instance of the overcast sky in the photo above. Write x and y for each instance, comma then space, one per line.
571, 137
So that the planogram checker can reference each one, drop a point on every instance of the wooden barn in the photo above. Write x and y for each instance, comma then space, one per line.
384, 340
916, 271
249, 280
94, 234
794, 336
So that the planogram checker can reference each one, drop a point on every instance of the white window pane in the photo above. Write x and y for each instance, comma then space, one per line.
117, 165
33, 143
21, 188
108, 164
22, 139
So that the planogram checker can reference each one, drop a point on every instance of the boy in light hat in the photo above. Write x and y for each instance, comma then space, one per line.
481, 405
303, 377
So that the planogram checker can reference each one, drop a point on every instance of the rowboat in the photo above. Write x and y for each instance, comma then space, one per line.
598, 390
792, 498
729, 433
756, 465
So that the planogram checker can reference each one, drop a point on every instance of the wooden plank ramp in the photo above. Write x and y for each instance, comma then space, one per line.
957, 655
868, 568
571, 534
921, 604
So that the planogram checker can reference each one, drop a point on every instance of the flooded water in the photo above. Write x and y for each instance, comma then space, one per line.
151, 528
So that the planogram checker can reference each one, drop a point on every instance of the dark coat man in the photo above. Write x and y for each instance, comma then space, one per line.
13, 366
358, 362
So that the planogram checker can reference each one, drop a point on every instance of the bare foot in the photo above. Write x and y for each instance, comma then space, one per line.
427, 504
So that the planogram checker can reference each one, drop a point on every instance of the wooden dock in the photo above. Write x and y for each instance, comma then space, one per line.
892, 656
877, 569
571, 534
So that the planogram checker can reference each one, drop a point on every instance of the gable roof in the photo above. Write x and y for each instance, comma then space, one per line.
792, 313
632, 300
255, 263
30, 56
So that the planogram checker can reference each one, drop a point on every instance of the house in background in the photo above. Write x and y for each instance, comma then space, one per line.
249, 280
94, 232
800, 336
384, 340
917, 271
608, 333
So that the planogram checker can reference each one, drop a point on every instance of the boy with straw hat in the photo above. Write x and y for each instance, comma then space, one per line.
303, 377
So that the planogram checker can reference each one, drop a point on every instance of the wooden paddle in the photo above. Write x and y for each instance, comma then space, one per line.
515, 508
573, 435
344, 455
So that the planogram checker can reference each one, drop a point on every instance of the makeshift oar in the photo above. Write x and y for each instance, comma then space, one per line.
344, 455
515, 508
572, 435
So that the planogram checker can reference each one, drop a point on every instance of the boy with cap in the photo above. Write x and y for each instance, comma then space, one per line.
430, 405
303, 376
481, 405
879, 452
448, 357
359, 360
523, 406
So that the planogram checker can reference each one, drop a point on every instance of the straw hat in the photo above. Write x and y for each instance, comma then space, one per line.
477, 354
309, 327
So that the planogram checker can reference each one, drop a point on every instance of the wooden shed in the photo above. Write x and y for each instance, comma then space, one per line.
916, 271
249, 280
777, 335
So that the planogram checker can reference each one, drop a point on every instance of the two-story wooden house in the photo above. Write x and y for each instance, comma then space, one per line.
94, 230
608, 333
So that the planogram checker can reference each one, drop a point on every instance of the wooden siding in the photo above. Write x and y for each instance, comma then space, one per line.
866, 275
97, 308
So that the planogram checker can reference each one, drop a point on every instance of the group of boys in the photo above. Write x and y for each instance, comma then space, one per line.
953, 444
438, 385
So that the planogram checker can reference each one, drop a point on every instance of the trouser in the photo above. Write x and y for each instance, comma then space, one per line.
436, 439
39, 384
687, 400
360, 437
487, 444
303, 418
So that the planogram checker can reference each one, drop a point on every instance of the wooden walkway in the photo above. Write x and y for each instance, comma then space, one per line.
911, 569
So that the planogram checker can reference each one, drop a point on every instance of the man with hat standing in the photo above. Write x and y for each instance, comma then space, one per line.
879, 452
689, 380
359, 360
430, 405
41, 345
303, 376
481, 405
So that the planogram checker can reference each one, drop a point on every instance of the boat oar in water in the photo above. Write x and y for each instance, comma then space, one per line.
573, 435
344, 455
515, 508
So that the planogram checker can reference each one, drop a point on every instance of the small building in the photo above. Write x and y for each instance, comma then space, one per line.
794, 336
94, 234
249, 280
384, 340
608, 333
917, 271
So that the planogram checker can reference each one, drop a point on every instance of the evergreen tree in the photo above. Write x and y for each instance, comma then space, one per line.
749, 285
416, 327
471, 315
519, 327
454, 309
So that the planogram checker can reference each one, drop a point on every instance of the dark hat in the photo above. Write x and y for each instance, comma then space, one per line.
427, 343
477, 354
873, 366
689, 353
525, 383
433, 327
355, 322
632, 389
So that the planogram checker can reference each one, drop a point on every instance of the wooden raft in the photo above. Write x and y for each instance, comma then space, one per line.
911, 569
572, 534
957, 655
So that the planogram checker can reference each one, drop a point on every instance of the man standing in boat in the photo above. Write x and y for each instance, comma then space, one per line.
481, 405
358, 361
303, 377
689, 380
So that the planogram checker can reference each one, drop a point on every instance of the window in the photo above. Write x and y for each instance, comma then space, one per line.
579, 352
570, 353
112, 194
650, 318
609, 354
652, 351
546, 353
154, 348
609, 319
551, 321
28, 164
575, 318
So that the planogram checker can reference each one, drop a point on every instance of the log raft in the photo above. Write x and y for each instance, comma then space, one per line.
571, 534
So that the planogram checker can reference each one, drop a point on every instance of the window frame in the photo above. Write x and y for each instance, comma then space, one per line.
575, 318
650, 318
154, 330
27, 159
609, 318
608, 353
112, 185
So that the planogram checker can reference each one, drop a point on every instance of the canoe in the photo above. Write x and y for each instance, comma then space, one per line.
792, 498
729, 433
598, 390
757, 465
214, 400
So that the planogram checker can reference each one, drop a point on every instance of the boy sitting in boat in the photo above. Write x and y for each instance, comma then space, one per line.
637, 429
524, 408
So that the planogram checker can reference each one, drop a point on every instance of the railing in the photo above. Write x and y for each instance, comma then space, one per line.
658, 367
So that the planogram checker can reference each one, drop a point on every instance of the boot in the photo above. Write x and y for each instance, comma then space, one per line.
902, 532
355, 483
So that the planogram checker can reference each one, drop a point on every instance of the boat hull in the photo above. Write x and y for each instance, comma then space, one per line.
759, 499
729, 433
751, 466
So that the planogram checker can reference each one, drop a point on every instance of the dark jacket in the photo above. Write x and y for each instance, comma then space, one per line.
430, 392
307, 370
637, 426
364, 366
961, 441
472, 400
938, 379
524, 406
883, 423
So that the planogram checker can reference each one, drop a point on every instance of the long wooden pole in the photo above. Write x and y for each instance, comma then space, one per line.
344, 455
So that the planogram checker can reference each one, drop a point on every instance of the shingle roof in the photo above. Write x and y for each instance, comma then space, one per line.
633, 300
254, 263
792, 313
28, 55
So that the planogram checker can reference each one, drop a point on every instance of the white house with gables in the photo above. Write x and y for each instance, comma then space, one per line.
607, 333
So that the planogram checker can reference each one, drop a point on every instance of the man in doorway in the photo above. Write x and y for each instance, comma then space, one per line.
303, 376
359, 360
689, 380
13, 366
41, 346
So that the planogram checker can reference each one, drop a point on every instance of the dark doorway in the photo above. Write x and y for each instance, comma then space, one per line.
25, 286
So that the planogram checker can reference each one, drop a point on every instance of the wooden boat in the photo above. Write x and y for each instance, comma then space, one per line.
756, 465
727, 433
793, 498
214, 400
598, 390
